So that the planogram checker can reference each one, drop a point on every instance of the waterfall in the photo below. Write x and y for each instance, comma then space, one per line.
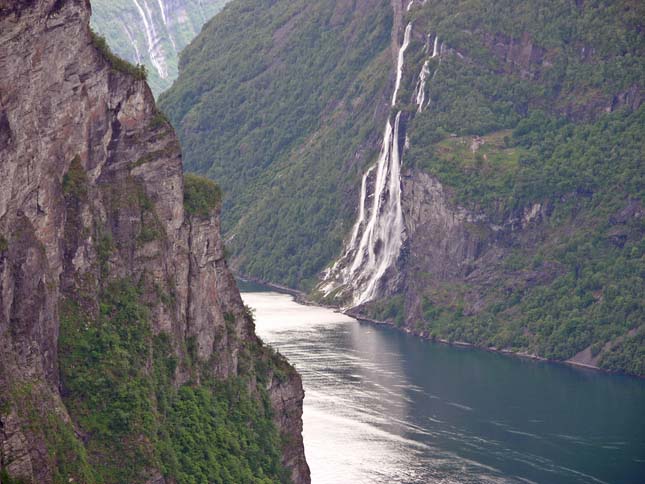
407, 9
423, 77
378, 233
421, 85
386, 224
154, 42
399, 67
133, 42
361, 213
164, 18
162, 9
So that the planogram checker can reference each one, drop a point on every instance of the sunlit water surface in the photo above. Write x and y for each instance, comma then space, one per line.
385, 407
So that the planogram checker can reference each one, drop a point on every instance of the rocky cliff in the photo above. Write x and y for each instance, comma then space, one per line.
152, 33
99, 244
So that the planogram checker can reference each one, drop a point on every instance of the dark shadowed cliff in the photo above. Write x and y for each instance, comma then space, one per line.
121, 327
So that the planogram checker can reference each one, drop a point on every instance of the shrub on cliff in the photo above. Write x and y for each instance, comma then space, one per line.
201, 195
138, 72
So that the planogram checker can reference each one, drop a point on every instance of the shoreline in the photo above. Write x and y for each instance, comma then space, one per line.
501, 351
301, 298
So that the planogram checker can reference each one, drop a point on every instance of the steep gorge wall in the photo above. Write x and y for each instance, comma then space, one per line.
91, 193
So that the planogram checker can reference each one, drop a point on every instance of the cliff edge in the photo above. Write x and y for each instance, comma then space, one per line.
101, 250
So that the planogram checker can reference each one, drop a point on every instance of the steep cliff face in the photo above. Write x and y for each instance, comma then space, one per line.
92, 199
450, 245
152, 32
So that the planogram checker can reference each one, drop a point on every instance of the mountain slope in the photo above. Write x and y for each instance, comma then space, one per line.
126, 353
152, 32
325, 62
520, 151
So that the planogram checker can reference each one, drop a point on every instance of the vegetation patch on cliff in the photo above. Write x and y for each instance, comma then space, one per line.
118, 386
75, 180
138, 71
201, 195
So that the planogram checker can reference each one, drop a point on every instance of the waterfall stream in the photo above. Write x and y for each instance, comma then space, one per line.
399, 67
133, 42
164, 18
421, 89
378, 234
154, 41
424, 75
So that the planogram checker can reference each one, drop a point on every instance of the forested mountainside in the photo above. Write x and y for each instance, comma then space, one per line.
126, 353
152, 32
517, 129
278, 99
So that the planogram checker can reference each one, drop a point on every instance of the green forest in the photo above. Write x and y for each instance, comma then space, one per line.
274, 123
599, 254
287, 120
134, 419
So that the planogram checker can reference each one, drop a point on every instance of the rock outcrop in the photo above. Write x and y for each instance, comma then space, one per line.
451, 245
91, 191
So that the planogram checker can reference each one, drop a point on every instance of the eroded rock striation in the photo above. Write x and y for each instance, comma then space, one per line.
91, 192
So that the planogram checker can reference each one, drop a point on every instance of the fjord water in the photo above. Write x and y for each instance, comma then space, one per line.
385, 407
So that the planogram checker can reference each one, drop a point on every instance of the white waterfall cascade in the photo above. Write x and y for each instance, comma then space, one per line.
378, 234
421, 85
399, 66
424, 75
164, 19
435, 49
155, 49
422, 2
162, 9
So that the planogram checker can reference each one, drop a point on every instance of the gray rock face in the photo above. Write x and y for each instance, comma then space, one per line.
91, 190
438, 230
287, 396
448, 244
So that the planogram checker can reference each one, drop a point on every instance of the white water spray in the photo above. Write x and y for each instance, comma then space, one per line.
133, 42
378, 234
162, 9
399, 66
421, 85
164, 19
423, 77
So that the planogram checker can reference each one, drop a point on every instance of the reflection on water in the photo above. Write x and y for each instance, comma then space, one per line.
384, 407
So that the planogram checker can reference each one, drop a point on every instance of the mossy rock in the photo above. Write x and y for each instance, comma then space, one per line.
201, 195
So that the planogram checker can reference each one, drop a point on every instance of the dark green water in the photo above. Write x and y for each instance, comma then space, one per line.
386, 407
